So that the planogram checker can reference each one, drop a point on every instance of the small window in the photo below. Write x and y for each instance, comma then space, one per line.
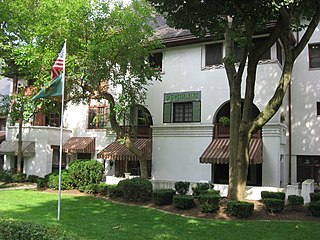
97, 118
182, 107
318, 108
53, 120
213, 54
155, 60
258, 42
314, 55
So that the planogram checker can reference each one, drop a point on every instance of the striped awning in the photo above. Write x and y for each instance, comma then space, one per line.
118, 151
11, 148
80, 145
218, 151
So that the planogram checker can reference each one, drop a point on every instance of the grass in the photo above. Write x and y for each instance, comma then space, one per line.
93, 218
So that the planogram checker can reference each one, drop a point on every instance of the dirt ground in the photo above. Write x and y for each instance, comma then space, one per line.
259, 212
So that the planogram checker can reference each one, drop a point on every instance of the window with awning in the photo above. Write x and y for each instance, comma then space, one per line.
218, 152
80, 145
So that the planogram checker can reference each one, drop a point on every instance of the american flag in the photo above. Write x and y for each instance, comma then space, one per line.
59, 63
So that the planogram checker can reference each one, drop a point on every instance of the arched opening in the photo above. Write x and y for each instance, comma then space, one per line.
220, 169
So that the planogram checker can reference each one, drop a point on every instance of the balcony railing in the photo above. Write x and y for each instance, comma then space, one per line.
221, 131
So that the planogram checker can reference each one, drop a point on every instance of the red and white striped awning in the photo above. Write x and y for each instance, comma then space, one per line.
118, 151
80, 145
218, 151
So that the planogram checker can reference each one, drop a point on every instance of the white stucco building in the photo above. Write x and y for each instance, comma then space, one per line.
188, 141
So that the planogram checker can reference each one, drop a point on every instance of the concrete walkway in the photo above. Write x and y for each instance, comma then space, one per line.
27, 186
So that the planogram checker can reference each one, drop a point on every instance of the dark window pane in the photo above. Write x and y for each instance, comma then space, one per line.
213, 54
182, 112
314, 55
279, 52
258, 42
155, 60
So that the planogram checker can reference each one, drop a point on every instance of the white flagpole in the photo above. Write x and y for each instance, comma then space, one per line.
61, 128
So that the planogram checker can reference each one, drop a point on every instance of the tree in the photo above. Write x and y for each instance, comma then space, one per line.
107, 46
237, 22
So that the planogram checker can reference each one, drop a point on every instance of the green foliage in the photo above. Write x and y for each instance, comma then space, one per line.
136, 189
315, 196
114, 191
5, 176
225, 121
66, 181
13, 229
19, 177
314, 208
199, 188
209, 202
91, 188
163, 196
276, 195
32, 178
103, 189
85, 172
184, 201
182, 187
273, 205
295, 202
240, 209
42, 183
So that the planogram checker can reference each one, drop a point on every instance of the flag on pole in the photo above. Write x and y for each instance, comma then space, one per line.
54, 87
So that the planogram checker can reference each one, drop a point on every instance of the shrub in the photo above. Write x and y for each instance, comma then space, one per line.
5, 175
13, 229
136, 189
273, 205
7, 178
91, 188
19, 177
85, 172
114, 191
274, 195
183, 201
199, 188
163, 196
182, 187
240, 209
66, 182
102, 188
42, 183
295, 202
209, 202
314, 208
32, 178
315, 196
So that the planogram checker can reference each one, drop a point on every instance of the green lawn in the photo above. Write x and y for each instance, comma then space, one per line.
93, 218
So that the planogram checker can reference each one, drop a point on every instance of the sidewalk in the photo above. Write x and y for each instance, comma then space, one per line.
26, 186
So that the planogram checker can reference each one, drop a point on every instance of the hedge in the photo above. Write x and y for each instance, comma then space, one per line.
182, 187
136, 189
314, 208
274, 195
273, 205
163, 196
240, 209
183, 201
209, 202
295, 202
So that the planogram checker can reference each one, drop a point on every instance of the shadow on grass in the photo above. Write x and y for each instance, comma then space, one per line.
93, 218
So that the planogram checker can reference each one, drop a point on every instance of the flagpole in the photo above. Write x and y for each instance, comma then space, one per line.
61, 129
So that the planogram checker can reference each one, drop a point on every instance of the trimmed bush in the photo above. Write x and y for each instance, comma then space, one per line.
163, 196
295, 202
19, 177
136, 189
314, 208
183, 201
114, 191
315, 197
102, 188
240, 209
273, 205
7, 178
13, 229
209, 202
274, 195
200, 188
182, 187
42, 183
66, 182
85, 172
32, 178
91, 188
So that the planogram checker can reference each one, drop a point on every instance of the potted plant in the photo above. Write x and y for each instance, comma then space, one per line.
224, 120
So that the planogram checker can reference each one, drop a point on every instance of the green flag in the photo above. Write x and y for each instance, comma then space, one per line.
53, 88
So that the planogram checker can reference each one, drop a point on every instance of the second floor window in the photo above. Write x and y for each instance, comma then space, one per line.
53, 120
97, 118
155, 60
213, 54
314, 55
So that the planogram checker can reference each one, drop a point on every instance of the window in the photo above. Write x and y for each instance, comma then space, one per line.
308, 167
155, 60
318, 108
213, 54
314, 55
97, 115
53, 120
259, 42
182, 107
56, 157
